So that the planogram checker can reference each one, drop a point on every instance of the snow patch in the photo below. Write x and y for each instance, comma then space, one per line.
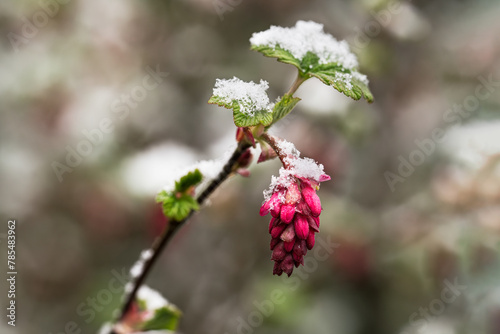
137, 268
307, 36
153, 299
250, 96
298, 167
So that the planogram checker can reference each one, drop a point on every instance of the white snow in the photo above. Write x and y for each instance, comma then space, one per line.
146, 171
209, 168
298, 167
344, 77
153, 299
105, 328
251, 97
129, 287
307, 37
138, 266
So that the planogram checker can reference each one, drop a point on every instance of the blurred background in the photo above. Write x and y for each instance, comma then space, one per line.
102, 101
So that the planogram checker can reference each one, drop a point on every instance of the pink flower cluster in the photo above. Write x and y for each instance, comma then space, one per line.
295, 208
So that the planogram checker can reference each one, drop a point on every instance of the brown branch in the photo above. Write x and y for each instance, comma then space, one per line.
271, 140
161, 242
173, 226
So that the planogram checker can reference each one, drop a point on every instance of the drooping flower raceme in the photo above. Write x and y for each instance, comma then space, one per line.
295, 208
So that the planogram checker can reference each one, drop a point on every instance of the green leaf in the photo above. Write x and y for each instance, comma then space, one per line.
284, 107
177, 207
283, 55
352, 87
309, 66
241, 119
263, 117
177, 204
188, 181
221, 102
164, 318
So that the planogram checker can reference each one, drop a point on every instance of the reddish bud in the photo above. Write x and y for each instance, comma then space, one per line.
240, 134
287, 265
273, 223
300, 247
298, 258
278, 252
244, 134
277, 269
243, 172
287, 213
312, 200
303, 208
324, 178
288, 234
266, 154
245, 159
264, 209
310, 240
312, 223
276, 231
292, 194
274, 242
316, 220
273, 205
301, 226
289, 245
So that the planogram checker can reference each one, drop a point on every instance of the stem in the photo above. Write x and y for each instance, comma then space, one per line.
274, 145
298, 81
173, 226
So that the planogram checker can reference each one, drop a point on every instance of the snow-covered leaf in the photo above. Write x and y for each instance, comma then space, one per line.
315, 54
248, 100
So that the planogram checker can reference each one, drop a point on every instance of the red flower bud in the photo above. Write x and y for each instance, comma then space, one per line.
287, 213
310, 241
312, 200
276, 231
289, 245
301, 226
287, 265
288, 234
278, 252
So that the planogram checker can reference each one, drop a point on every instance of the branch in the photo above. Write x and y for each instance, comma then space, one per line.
296, 84
274, 145
173, 226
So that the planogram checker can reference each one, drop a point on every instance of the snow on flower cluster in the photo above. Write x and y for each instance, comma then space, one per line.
308, 36
295, 208
251, 97
298, 167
